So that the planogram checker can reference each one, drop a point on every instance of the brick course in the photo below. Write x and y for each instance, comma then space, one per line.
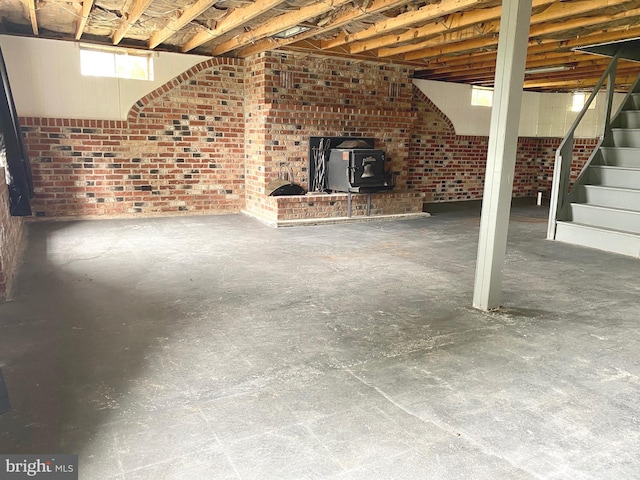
450, 167
180, 150
336, 205
11, 235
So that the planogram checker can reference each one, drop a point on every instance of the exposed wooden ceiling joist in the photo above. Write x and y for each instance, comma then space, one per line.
376, 6
427, 13
546, 47
483, 72
175, 24
479, 69
574, 70
235, 19
465, 29
489, 61
583, 83
136, 10
451, 22
278, 24
31, 7
490, 42
84, 16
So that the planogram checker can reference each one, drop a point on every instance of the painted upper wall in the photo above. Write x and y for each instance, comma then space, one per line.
46, 81
542, 114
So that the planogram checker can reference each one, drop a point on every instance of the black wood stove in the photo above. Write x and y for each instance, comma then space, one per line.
357, 170
355, 167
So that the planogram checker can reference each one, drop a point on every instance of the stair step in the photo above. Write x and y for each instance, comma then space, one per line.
621, 156
628, 119
623, 177
608, 239
633, 102
623, 198
626, 137
605, 217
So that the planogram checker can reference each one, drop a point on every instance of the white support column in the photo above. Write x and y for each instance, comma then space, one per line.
501, 156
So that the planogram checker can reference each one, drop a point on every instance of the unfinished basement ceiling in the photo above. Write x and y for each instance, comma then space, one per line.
447, 40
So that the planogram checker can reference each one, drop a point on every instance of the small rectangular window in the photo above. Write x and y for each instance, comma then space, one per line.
116, 64
481, 97
578, 99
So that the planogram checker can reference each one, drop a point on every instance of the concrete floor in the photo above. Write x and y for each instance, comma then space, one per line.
219, 348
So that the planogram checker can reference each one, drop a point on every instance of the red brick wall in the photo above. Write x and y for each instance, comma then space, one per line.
546, 150
11, 231
181, 149
303, 79
450, 167
212, 139
256, 132
334, 205
293, 97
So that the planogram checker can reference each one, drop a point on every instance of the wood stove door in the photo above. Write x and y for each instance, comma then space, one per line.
367, 169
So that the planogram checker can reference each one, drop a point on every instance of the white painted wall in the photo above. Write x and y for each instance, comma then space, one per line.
542, 114
46, 81
556, 117
454, 100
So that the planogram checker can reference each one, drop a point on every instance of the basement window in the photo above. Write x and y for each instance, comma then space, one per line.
481, 97
96, 62
578, 99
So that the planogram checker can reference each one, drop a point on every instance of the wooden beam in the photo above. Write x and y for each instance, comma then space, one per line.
424, 14
574, 84
487, 65
453, 22
454, 37
592, 64
236, 18
573, 23
543, 47
278, 24
84, 16
486, 77
176, 24
351, 15
610, 35
313, 48
466, 60
31, 7
585, 71
479, 43
130, 18
469, 59
543, 23
490, 64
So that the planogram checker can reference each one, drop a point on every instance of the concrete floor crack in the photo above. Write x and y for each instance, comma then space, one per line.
383, 394
441, 425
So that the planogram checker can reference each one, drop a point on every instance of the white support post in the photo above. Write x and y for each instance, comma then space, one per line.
501, 155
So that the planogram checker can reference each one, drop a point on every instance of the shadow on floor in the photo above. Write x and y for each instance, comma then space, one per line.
76, 335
